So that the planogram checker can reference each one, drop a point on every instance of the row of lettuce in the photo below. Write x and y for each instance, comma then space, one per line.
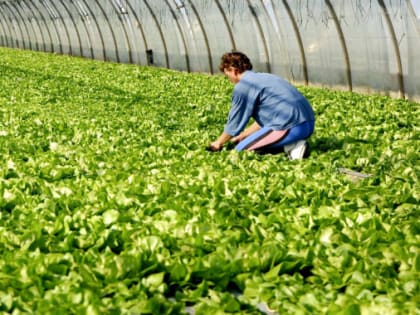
109, 203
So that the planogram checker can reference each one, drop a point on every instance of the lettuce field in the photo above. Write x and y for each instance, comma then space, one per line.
110, 204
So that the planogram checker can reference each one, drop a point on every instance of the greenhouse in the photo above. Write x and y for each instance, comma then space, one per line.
355, 45
111, 204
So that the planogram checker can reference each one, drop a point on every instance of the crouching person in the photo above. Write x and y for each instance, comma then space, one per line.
282, 117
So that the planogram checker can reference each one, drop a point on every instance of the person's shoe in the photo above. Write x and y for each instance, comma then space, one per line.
296, 150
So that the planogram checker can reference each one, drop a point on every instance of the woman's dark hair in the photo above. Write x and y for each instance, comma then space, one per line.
235, 59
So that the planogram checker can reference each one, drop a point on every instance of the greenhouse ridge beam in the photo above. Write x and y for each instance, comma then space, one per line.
369, 48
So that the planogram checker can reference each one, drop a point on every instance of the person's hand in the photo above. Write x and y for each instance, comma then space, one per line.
214, 147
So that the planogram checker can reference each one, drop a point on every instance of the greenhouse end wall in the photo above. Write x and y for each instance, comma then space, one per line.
370, 46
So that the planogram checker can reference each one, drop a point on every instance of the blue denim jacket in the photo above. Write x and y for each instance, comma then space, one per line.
270, 100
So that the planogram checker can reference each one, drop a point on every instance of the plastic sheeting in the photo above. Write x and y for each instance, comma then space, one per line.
369, 46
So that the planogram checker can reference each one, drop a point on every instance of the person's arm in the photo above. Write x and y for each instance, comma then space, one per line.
248, 131
218, 144
239, 115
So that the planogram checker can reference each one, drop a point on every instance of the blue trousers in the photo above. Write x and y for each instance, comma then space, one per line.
299, 132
